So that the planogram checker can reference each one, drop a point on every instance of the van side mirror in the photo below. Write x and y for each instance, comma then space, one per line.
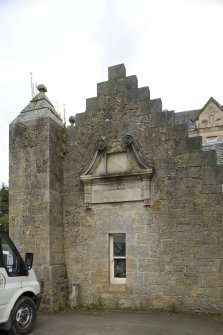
29, 260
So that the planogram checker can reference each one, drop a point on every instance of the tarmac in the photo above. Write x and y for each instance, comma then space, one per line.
126, 323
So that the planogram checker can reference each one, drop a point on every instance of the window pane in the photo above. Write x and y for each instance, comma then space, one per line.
119, 268
211, 140
119, 245
10, 259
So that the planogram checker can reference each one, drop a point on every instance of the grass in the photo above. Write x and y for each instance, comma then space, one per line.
95, 307
173, 307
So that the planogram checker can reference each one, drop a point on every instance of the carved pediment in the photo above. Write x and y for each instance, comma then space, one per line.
117, 173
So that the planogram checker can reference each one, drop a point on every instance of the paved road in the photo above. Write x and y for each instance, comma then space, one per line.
124, 323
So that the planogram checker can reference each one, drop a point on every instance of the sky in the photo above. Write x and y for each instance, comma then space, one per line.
174, 47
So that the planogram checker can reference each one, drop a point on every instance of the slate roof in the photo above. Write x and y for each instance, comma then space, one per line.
188, 117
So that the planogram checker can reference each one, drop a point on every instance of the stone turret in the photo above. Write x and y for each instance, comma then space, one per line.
36, 186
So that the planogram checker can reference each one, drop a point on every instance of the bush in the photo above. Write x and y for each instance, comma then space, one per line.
4, 207
4, 222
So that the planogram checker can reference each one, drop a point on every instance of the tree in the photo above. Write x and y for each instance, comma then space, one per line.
4, 207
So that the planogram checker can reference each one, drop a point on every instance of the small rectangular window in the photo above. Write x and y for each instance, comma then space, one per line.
118, 259
212, 140
211, 119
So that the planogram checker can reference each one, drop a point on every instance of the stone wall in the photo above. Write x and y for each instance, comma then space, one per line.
174, 246
218, 147
174, 235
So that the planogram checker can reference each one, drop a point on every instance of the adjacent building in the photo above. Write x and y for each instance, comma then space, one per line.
207, 123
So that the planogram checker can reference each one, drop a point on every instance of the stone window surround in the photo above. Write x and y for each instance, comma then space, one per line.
212, 139
113, 279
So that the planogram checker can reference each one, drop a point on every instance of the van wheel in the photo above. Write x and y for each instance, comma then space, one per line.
23, 316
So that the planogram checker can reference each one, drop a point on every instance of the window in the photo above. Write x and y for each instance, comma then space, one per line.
211, 119
10, 258
118, 259
212, 140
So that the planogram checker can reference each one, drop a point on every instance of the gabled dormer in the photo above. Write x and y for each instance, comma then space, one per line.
211, 115
117, 172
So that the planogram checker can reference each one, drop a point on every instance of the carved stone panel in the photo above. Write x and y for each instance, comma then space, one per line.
117, 176
117, 191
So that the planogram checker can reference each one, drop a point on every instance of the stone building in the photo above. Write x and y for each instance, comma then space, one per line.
123, 207
207, 123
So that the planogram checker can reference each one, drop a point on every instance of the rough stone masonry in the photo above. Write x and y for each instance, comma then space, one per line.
120, 207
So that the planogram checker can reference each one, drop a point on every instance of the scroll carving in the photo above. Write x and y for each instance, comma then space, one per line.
120, 163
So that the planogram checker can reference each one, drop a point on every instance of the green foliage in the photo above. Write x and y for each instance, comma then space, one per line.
173, 307
59, 307
218, 318
4, 207
4, 200
63, 152
4, 222
93, 307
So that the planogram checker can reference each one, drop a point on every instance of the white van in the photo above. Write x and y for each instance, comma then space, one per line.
20, 294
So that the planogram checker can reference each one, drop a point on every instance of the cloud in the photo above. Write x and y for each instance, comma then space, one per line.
173, 46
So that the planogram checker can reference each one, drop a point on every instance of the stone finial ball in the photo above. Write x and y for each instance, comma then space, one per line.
72, 119
41, 88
